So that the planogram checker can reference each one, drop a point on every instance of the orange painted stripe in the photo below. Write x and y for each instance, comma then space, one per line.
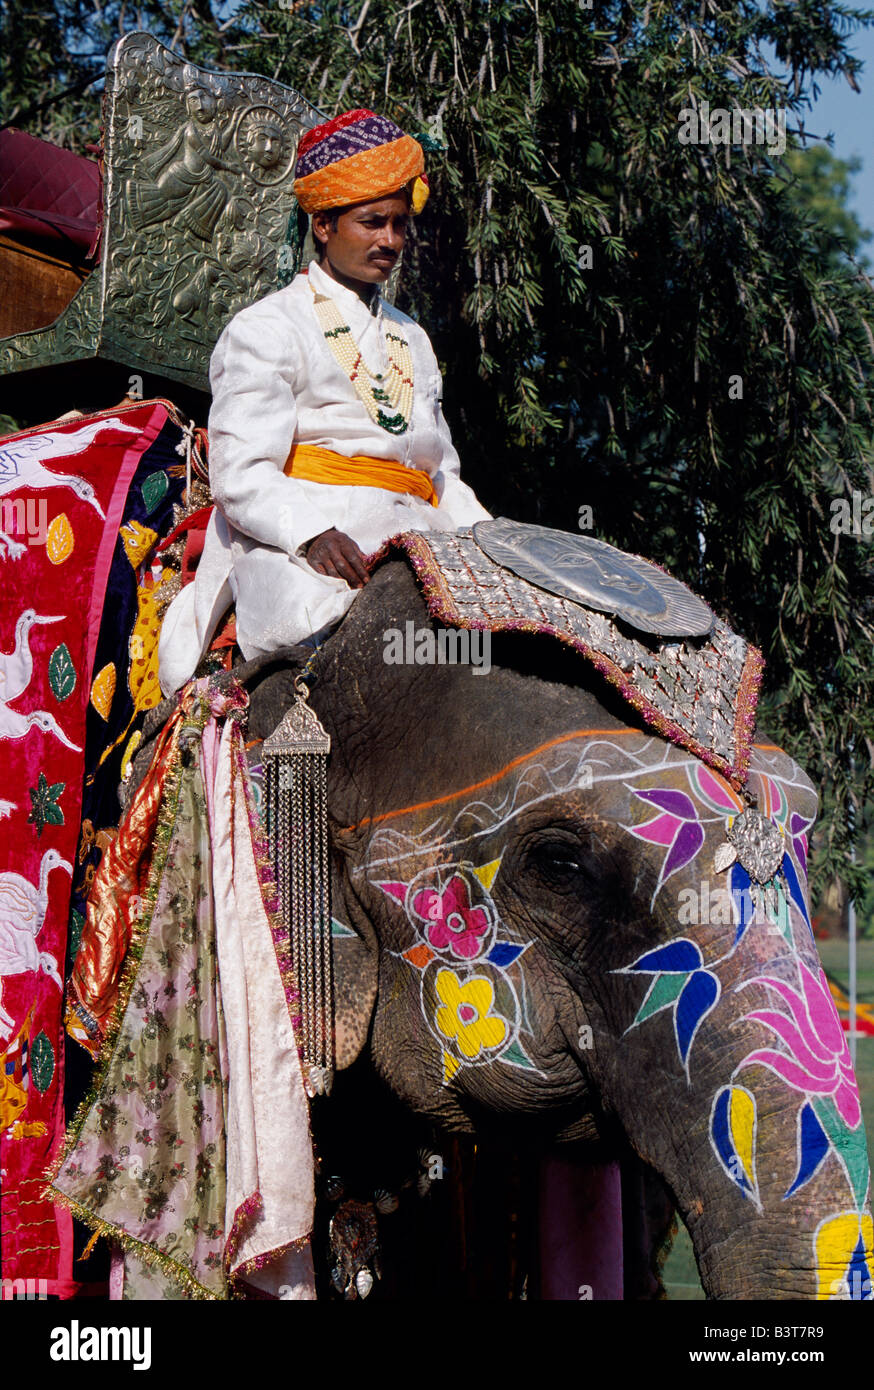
495, 777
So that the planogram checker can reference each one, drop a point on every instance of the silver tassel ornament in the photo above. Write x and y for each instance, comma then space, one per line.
295, 776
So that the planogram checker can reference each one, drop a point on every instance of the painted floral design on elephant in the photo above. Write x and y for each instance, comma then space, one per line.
469, 999
452, 918
814, 1060
807, 1049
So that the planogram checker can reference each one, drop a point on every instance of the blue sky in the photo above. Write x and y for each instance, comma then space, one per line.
849, 116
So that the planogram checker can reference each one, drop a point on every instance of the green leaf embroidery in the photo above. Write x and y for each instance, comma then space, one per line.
77, 922
62, 672
154, 489
45, 810
42, 1063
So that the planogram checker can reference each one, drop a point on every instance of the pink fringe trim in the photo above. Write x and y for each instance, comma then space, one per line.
246, 1215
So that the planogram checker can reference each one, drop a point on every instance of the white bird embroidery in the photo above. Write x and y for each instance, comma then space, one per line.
22, 914
16, 670
22, 466
16, 667
15, 725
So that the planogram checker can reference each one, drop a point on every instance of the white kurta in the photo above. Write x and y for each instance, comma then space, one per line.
275, 382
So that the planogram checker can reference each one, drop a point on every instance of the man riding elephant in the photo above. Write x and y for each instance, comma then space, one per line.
326, 431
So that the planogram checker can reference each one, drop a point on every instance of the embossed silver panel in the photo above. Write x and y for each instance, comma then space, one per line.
598, 575
197, 193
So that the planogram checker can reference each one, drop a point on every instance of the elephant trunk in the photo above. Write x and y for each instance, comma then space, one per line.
770, 1181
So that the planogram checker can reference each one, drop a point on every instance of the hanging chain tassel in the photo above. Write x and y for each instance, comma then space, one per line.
296, 757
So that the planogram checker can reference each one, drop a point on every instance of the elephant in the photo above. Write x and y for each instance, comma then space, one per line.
535, 927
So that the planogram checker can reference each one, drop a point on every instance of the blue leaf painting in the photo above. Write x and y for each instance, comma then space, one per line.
503, 953
741, 892
723, 1143
813, 1145
699, 995
859, 1275
796, 892
675, 958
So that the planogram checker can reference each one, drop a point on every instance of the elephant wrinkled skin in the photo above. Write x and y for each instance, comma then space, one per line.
529, 922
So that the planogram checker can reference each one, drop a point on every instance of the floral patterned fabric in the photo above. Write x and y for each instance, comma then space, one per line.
195, 1156
67, 489
147, 1165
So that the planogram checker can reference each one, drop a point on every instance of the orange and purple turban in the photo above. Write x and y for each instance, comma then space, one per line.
357, 158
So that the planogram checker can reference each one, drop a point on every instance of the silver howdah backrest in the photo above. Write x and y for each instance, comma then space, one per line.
197, 195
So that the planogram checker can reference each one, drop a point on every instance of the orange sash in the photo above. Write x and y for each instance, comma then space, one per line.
318, 465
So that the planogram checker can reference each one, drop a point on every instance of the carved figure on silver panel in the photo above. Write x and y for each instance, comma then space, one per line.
264, 146
184, 182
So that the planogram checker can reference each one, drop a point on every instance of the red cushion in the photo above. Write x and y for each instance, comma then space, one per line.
47, 193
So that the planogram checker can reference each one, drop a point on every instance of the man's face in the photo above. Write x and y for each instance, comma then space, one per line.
368, 240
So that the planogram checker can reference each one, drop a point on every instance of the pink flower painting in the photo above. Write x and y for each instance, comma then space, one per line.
453, 922
675, 829
816, 1059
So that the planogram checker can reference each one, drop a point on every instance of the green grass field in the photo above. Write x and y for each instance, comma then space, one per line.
680, 1273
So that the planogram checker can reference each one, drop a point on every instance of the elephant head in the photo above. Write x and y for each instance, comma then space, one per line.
531, 920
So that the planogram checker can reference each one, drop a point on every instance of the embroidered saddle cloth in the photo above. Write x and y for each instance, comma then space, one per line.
699, 691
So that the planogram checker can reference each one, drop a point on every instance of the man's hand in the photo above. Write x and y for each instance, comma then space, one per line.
336, 554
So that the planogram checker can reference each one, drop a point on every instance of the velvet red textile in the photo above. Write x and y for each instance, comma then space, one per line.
63, 493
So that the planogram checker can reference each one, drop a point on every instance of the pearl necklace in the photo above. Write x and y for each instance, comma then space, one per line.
378, 391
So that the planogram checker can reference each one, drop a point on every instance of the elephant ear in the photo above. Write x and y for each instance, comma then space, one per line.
356, 976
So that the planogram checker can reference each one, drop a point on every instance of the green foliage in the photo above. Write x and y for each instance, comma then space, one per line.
820, 183
611, 386
553, 127
53, 56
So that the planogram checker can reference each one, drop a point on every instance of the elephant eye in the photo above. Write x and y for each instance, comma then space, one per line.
560, 859
563, 858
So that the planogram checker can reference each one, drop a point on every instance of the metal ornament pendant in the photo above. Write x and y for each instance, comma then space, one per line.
353, 1238
756, 843
596, 575
295, 760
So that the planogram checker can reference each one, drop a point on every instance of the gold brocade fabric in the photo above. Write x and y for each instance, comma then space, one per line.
117, 902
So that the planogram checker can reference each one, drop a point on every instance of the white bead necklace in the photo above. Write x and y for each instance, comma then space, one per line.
380, 392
